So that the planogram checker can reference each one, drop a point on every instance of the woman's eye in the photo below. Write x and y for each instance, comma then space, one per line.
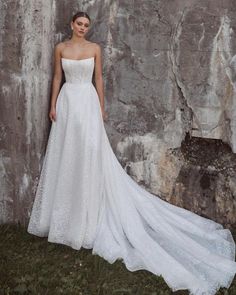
80, 24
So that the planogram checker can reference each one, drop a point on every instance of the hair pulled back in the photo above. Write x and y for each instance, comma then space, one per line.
80, 14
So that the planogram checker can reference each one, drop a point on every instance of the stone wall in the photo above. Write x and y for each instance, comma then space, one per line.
169, 71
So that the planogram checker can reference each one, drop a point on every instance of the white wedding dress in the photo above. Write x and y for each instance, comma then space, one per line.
86, 199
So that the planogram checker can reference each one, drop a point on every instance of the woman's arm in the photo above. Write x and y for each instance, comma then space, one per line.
56, 82
99, 79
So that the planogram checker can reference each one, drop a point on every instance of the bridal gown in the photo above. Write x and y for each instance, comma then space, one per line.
86, 199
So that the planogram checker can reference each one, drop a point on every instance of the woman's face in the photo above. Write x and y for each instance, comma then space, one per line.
80, 26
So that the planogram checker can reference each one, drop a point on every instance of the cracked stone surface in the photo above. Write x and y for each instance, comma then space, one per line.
169, 71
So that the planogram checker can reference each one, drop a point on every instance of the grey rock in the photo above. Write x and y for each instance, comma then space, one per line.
169, 71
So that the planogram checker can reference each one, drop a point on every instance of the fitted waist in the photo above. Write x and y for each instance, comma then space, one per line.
78, 82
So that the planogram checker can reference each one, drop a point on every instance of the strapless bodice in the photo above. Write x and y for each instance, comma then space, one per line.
78, 71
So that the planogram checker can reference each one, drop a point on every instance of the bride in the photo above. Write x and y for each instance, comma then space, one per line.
86, 199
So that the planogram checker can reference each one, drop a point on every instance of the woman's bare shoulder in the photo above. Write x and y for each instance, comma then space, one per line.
59, 47
96, 48
94, 45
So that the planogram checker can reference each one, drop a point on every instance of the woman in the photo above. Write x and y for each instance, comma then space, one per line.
86, 199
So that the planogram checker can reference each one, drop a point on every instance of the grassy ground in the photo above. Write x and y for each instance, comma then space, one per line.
31, 265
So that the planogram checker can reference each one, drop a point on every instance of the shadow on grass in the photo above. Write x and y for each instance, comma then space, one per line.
32, 265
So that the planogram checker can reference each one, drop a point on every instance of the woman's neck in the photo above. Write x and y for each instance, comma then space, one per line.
78, 40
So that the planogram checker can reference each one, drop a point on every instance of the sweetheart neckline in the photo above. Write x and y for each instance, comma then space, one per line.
77, 59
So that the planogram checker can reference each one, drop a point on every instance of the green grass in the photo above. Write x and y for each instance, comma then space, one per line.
32, 265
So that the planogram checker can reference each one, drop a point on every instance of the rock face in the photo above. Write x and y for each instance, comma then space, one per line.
169, 71
206, 182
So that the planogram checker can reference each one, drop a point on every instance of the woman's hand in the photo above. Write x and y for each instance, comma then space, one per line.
52, 114
104, 115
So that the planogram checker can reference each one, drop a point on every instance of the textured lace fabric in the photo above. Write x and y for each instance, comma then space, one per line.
86, 199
